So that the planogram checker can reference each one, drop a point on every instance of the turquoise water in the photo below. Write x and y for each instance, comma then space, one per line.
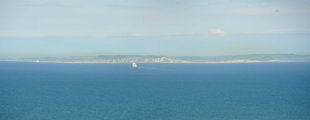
255, 91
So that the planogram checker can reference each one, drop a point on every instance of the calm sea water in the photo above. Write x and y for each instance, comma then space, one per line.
255, 91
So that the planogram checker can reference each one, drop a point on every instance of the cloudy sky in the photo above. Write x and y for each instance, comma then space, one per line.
153, 27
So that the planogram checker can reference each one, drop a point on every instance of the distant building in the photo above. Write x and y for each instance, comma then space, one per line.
134, 65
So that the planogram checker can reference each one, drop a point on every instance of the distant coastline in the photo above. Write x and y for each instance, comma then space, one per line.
235, 61
253, 58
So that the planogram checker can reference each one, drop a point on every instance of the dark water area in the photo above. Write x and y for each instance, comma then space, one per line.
239, 91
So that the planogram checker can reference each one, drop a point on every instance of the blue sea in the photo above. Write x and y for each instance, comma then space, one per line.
239, 91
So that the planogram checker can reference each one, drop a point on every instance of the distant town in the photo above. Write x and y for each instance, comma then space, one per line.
253, 58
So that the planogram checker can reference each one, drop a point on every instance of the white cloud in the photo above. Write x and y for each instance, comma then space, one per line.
99, 35
256, 11
218, 32
29, 34
136, 35
20, 34
268, 11
284, 31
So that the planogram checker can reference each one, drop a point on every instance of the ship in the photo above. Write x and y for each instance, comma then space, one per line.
134, 65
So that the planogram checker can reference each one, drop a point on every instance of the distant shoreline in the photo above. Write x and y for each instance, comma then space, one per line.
207, 62
253, 58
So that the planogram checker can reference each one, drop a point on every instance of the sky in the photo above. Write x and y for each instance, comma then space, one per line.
40, 28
